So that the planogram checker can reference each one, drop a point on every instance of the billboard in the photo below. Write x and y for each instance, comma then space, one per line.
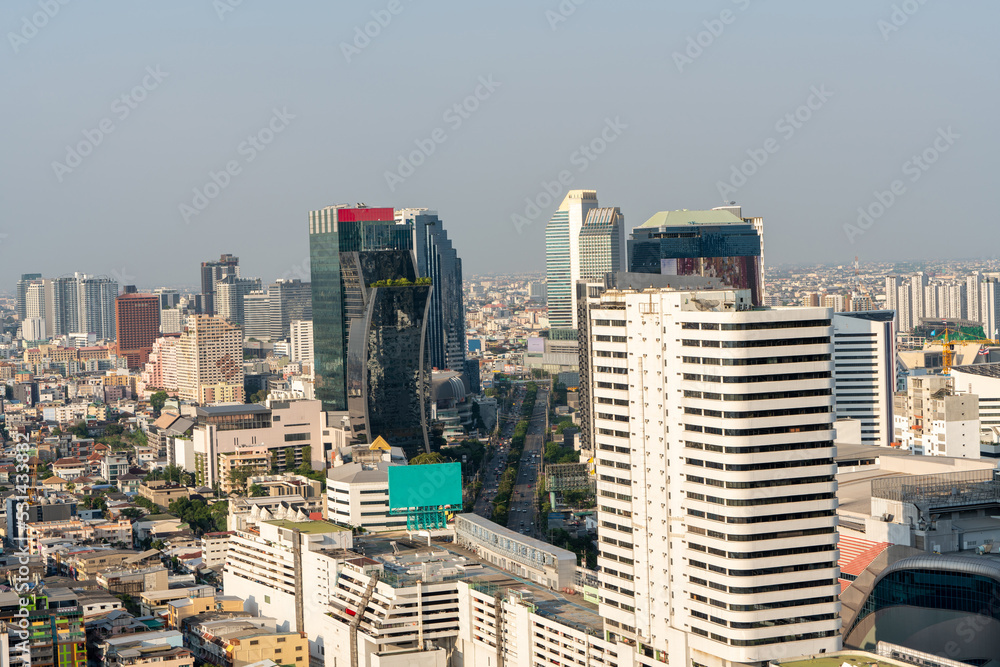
431, 485
536, 344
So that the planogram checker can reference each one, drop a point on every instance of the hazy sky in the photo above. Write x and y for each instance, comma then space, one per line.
669, 97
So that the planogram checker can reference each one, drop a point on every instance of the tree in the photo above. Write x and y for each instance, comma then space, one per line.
79, 429
113, 429
563, 425
238, 477
257, 490
258, 396
132, 513
157, 401
219, 512
148, 504
428, 457
158, 545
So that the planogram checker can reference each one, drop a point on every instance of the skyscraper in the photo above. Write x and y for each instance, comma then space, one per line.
370, 315
972, 306
213, 272
257, 316
210, 361
137, 318
22, 291
713, 243
864, 378
602, 244
562, 256
437, 259
229, 295
288, 300
302, 341
715, 476
918, 282
63, 306
97, 305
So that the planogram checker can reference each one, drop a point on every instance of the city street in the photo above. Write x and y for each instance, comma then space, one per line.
523, 504
523, 508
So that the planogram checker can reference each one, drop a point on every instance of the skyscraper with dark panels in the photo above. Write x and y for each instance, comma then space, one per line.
213, 272
437, 259
370, 315
716, 243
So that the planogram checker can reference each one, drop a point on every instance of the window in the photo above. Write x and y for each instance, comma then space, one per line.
296, 437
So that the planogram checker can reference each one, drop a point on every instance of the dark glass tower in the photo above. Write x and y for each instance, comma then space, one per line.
370, 317
712, 243
211, 273
437, 259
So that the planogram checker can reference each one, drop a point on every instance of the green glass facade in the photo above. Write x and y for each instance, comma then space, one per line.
369, 342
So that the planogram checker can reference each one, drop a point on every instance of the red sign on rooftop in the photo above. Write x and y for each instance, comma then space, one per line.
365, 214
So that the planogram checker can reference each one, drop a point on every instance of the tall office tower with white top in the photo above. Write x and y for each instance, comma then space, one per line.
713, 434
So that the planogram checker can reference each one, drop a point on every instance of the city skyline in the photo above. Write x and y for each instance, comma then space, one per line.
858, 117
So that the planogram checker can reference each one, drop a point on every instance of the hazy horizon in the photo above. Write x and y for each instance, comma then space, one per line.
803, 112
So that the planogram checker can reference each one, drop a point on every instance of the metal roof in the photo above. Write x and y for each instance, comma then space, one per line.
685, 217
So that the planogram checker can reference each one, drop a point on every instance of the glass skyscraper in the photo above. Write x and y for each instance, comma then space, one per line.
437, 259
713, 243
370, 316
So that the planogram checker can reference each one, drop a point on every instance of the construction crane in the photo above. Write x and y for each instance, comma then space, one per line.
948, 347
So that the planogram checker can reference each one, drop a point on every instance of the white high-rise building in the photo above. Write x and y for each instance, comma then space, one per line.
864, 353
562, 256
171, 320
302, 341
905, 318
952, 301
972, 284
932, 305
989, 307
918, 281
713, 431
33, 328
891, 292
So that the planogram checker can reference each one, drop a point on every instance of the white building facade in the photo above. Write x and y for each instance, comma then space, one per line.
713, 432
864, 352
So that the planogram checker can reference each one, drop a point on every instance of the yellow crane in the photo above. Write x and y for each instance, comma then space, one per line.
948, 348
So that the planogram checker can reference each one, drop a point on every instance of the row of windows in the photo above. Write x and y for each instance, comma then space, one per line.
754, 590
773, 430
764, 396
771, 465
760, 484
760, 536
611, 401
760, 519
768, 342
756, 361
744, 379
610, 385
755, 326
754, 502
760, 449
764, 571
611, 339
754, 414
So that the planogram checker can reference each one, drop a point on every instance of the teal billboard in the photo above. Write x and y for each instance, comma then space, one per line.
431, 485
